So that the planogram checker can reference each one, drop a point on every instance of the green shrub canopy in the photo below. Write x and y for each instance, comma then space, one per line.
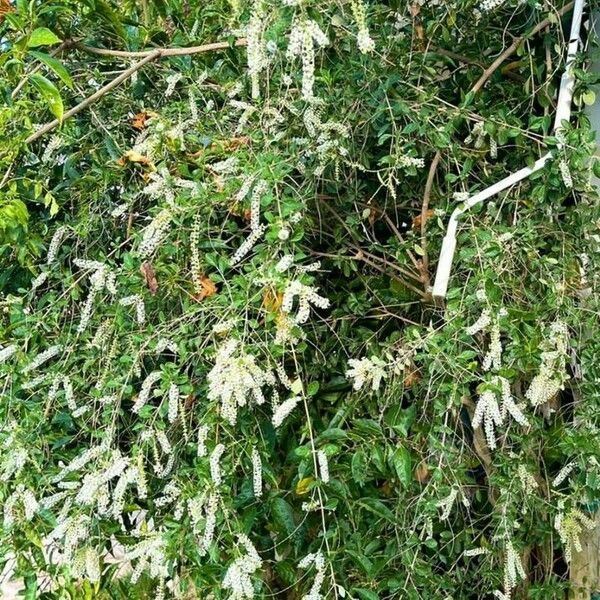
222, 374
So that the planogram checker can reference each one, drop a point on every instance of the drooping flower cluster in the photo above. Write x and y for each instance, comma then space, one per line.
304, 35
283, 410
42, 358
235, 379
306, 295
492, 413
144, 394
319, 561
154, 233
365, 42
137, 301
570, 525
238, 576
257, 59
513, 568
367, 371
553, 373
256, 229
102, 277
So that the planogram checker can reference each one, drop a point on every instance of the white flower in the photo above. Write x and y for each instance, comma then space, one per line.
41, 358
285, 262
256, 473
144, 394
248, 244
482, 322
7, 352
210, 523
154, 234
237, 578
173, 403
235, 378
491, 413
306, 295
323, 466
563, 474
319, 561
137, 301
172, 81
367, 370
283, 410
215, 464
202, 436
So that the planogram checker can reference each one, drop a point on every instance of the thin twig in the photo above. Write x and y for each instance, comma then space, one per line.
94, 97
148, 56
25, 78
401, 239
164, 52
513, 47
424, 216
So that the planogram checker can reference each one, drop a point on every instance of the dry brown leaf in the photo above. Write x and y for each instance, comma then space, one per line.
139, 120
235, 143
272, 300
148, 272
208, 288
135, 157
411, 377
422, 472
418, 219
5, 7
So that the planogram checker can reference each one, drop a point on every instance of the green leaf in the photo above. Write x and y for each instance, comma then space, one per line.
378, 508
402, 465
589, 97
364, 594
283, 516
358, 467
55, 65
42, 36
49, 92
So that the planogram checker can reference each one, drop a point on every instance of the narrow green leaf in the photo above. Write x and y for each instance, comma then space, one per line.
378, 508
55, 65
49, 92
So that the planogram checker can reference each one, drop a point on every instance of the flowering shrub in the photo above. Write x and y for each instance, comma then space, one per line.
223, 375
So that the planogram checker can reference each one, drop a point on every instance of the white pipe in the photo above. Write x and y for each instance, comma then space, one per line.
563, 113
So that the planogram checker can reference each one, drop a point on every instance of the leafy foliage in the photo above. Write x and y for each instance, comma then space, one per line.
165, 320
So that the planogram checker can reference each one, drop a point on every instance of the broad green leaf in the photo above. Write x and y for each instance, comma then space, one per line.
283, 516
402, 465
42, 36
589, 97
49, 92
364, 594
55, 65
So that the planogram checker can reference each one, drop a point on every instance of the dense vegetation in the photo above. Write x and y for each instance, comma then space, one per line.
222, 371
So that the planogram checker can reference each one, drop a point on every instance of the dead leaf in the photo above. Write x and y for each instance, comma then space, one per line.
418, 219
148, 272
208, 288
422, 472
135, 157
189, 401
139, 120
272, 300
5, 7
235, 143
411, 377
